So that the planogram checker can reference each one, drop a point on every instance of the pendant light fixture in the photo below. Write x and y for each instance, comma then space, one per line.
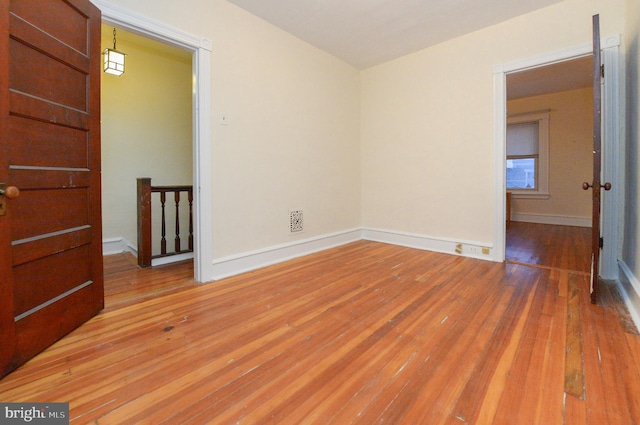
113, 59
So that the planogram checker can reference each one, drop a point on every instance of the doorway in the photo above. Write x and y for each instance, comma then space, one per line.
548, 156
200, 49
611, 141
146, 132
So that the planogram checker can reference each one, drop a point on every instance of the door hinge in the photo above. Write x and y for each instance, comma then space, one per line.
601, 243
602, 70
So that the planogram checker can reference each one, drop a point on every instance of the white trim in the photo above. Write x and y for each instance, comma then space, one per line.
132, 21
201, 50
499, 159
113, 246
611, 141
560, 220
544, 59
472, 249
240, 263
629, 288
247, 261
202, 155
612, 160
535, 195
171, 259
117, 246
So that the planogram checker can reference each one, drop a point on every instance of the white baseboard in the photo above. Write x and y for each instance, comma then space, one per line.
559, 220
465, 248
160, 261
117, 246
236, 264
629, 286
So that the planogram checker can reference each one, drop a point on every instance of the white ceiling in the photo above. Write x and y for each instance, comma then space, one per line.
364, 33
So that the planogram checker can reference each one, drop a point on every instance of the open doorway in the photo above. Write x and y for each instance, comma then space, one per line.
200, 49
548, 156
612, 162
147, 131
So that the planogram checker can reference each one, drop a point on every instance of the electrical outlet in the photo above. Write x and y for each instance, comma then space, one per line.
473, 249
458, 248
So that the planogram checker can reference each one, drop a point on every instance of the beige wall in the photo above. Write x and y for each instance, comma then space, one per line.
570, 155
146, 127
292, 139
427, 121
405, 146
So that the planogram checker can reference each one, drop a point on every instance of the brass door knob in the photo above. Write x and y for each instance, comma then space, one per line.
10, 192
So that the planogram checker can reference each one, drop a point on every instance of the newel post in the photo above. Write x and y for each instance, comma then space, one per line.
144, 222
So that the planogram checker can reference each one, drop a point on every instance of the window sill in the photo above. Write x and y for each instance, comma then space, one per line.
528, 195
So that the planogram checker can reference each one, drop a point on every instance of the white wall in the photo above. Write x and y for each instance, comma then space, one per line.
427, 122
146, 130
292, 139
570, 158
630, 263
406, 146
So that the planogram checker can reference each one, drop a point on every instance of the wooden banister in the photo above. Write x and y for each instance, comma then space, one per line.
144, 222
145, 191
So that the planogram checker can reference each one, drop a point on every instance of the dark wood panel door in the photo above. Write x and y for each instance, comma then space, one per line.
50, 233
596, 186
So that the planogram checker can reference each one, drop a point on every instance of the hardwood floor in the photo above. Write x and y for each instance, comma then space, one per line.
366, 333
545, 245
127, 284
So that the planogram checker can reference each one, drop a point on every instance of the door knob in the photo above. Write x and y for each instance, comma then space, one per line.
10, 192
606, 186
7, 192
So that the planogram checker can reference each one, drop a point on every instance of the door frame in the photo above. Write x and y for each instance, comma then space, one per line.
612, 160
201, 63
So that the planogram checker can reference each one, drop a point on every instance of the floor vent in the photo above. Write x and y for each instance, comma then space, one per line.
296, 221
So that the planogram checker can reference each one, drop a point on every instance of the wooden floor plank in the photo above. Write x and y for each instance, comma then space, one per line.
574, 366
575, 412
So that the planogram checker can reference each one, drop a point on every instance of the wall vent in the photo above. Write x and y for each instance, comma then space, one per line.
296, 221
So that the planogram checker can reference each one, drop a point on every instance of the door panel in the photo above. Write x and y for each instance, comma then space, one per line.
47, 14
595, 186
30, 250
50, 237
37, 330
70, 89
70, 213
64, 148
71, 271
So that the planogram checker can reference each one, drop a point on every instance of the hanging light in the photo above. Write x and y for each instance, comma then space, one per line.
113, 59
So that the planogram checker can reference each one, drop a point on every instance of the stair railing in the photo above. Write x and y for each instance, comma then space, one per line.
145, 191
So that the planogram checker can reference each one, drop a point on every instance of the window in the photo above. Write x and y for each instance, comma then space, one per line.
528, 154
